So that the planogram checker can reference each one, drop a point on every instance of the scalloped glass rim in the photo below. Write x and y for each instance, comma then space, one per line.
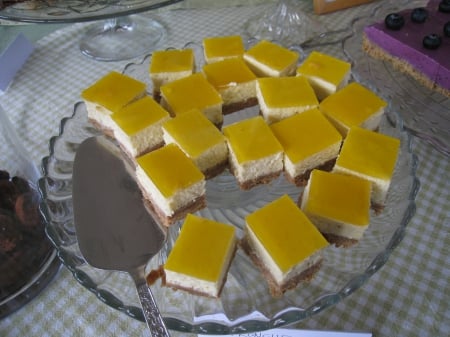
79, 11
55, 187
424, 111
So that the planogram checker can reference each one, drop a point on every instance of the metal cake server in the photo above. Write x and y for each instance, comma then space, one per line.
115, 230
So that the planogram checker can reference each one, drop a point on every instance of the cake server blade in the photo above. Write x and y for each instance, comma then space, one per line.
115, 230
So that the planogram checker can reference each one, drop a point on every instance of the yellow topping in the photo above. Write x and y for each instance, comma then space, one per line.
305, 134
251, 139
223, 46
285, 232
202, 248
191, 92
369, 152
326, 67
228, 73
172, 60
352, 105
139, 114
340, 197
272, 55
193, 132
283, 92
170, 169
114, 91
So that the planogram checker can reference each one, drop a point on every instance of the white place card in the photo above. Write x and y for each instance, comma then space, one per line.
299, 333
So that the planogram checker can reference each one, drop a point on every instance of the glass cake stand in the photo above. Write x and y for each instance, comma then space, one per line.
245, 304
121, 36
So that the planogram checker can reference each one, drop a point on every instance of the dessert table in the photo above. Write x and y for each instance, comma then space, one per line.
408, 296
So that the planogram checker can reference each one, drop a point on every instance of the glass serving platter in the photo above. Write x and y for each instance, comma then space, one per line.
245, 304
425, 113
76, 10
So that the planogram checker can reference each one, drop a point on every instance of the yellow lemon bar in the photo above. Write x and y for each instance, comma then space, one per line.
138, 126
171, 182
234, 81
170, 65
339, 206
270, 59
201, 256
193, 92
326, 73
309, 141
109, 94
354, 105
372, 156
199, 139
218, 48
286, 246
281, 97
255, 154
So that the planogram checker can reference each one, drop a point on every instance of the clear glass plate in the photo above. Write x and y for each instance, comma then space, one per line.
77, 10
245, 304
425, 113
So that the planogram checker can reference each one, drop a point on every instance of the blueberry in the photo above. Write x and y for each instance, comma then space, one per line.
394, 21
447, 29
444, 6
432, 41
419, 15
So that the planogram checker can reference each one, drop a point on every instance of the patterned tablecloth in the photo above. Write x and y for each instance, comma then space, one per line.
409, 296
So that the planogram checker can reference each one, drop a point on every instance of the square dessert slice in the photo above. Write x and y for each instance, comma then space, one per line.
268, 59
193, 92
354, 105
171, 182
309, 141
325, 73
235, 83
371, 156
170, 65
339, 206
284, 244
138, 126
109, 94
255, 155
218, 48
201, 257
200, 140
281, 97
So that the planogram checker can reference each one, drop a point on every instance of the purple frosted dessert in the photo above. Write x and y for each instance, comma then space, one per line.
416, 41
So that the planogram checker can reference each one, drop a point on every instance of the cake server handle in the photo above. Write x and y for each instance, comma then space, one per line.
151, 312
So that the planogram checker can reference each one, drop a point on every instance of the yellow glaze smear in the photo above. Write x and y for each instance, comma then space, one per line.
324, 66
305, 134
138, 115
191, 92
252, 139
352, 105
113, 91
369, 152
170, 169
228, 73
223, 46
272, 55
193, 132
172, 60
283, 92
340, 197
201, 249
285, 232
